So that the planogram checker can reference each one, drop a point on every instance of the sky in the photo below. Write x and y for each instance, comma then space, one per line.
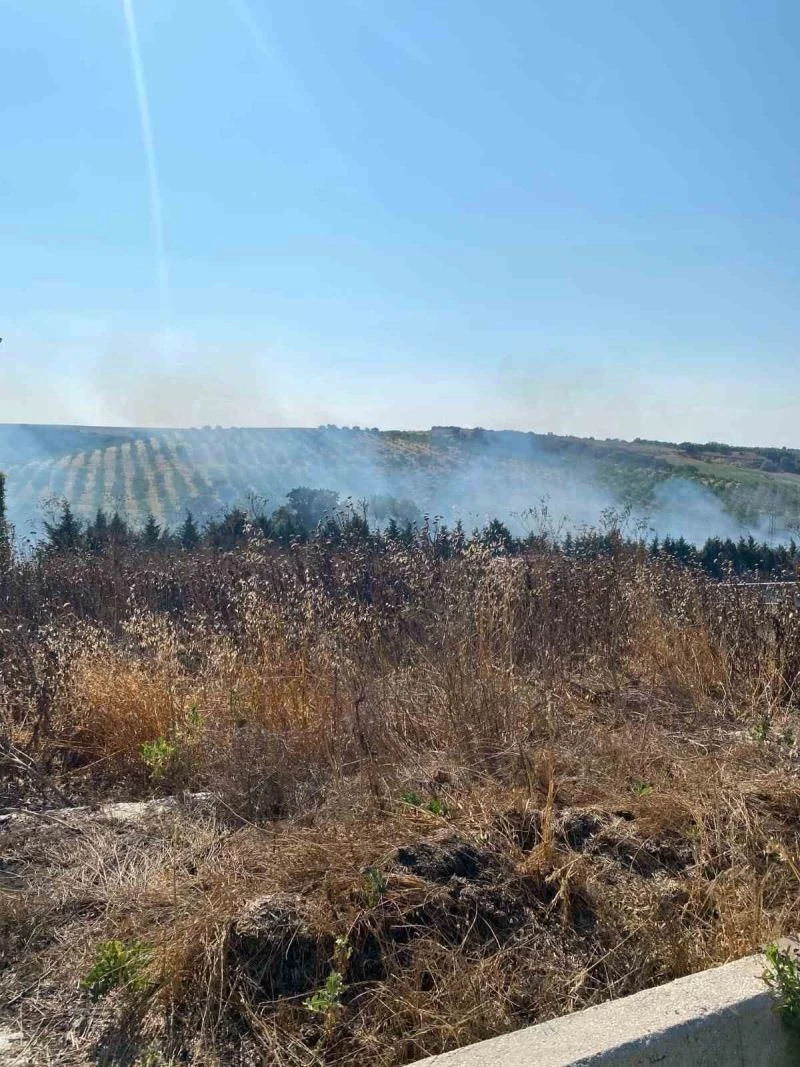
550, 215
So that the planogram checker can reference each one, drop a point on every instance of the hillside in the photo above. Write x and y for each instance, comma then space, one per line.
689, 489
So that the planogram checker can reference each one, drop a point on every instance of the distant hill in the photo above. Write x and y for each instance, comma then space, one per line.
690, 489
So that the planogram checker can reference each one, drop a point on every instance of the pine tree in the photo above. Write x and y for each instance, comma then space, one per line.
189, 535
151, 533
118, 530
408, 533
458, 537
97, 533
497, 537
66, 535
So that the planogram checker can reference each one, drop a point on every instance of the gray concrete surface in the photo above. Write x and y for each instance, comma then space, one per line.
14, 1049
724, 1017
117, 811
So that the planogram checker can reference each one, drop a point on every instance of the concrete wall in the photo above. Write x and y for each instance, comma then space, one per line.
724, 1017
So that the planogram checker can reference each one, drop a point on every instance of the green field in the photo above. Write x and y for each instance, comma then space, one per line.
446, 471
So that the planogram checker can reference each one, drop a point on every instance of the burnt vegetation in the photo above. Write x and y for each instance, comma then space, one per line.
401, 789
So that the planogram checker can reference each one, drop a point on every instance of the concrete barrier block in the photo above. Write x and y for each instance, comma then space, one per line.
724, 1016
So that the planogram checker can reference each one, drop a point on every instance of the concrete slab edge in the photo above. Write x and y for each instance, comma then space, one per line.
725, 1015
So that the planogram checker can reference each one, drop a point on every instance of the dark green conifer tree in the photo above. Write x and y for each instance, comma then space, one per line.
118, 530
151, 534
189, 535
97, 533
66, 534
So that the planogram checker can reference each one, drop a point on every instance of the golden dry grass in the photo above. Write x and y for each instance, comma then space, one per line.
514, 787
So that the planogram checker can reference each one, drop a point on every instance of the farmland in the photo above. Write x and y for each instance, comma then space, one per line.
445, 470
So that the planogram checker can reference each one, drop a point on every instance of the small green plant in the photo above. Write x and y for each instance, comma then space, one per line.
782, 975
435, 805
116, 964
786, 737
157, 756
193, 718
642, 789
376, 886
342, 952
328, 1000
761, 728
152, 1056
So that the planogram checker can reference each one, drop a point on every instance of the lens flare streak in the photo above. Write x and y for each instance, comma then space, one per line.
148, 142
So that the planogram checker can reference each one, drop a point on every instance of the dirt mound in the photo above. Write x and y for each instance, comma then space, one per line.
274, 947
460, 891
447, 855
597, 832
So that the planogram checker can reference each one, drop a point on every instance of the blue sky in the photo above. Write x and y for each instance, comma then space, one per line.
570, 216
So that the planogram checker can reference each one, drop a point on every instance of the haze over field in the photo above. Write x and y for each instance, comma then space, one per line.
472, 475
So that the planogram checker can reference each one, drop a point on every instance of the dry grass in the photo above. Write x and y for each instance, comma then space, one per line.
515, 788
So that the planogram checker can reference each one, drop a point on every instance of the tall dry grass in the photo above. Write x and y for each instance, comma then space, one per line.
601, 748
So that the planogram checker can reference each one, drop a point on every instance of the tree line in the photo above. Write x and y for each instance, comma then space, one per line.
319, 514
